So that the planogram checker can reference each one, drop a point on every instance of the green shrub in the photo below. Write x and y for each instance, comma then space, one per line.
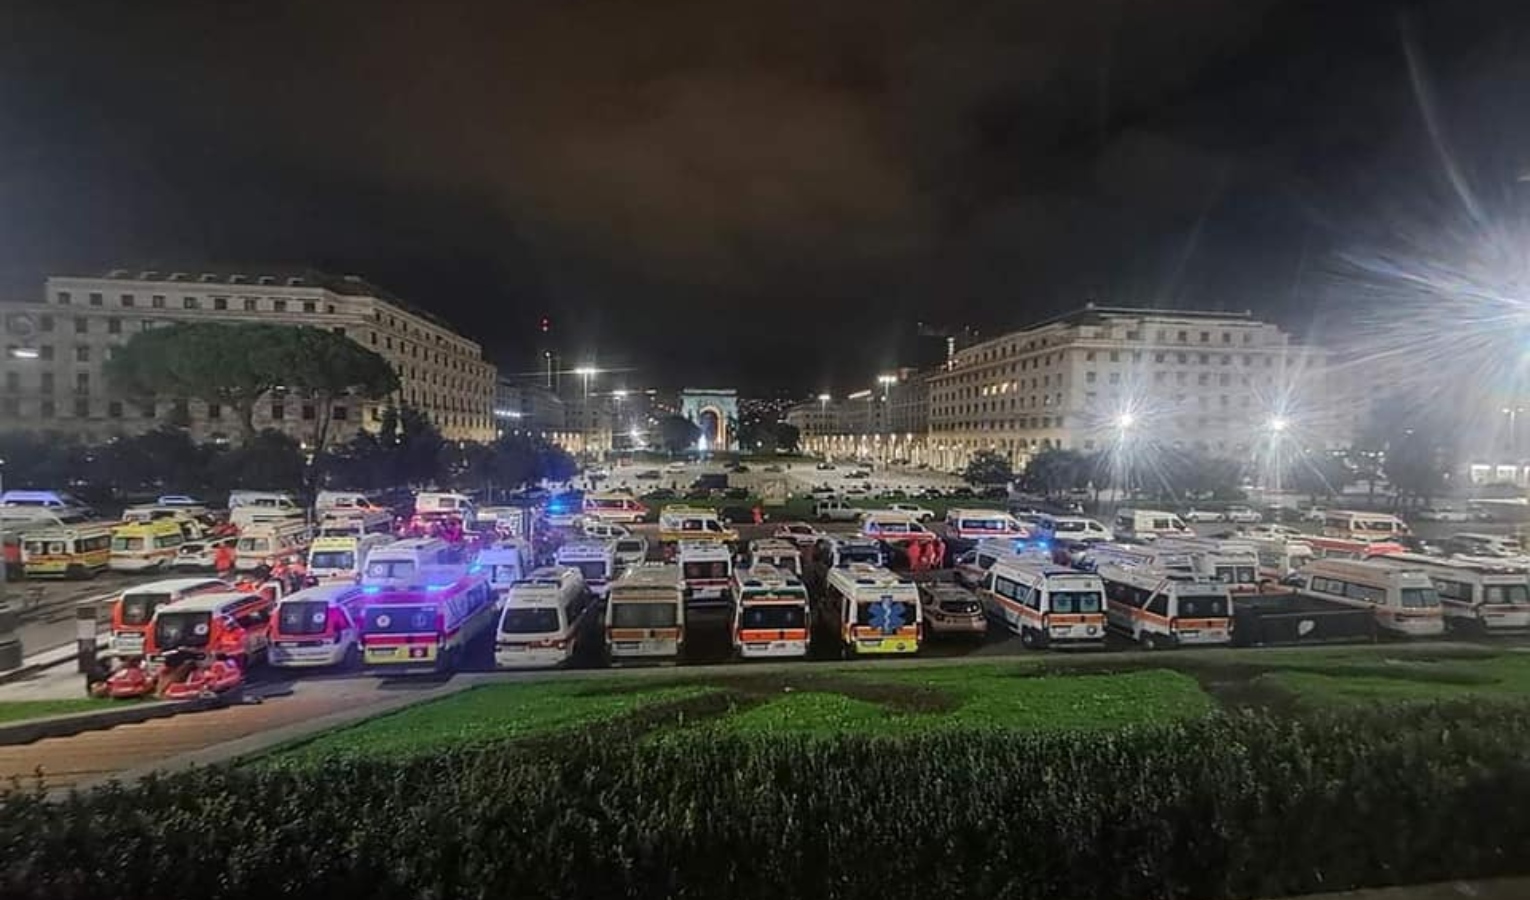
1244, 805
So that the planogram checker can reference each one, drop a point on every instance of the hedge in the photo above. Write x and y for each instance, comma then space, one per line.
1237, 805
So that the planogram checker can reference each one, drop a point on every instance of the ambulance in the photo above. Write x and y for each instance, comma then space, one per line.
705, 567
770, 613
595, 560
1047, 605
1160, 609
142, 546
645, 615
423, 629
504, 563
319, 626
872, 611
544, 619
693, 523
343, 558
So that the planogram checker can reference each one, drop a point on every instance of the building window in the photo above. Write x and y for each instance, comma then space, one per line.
44, 323
114, 409
96, 299
13, 381
45, 351
12, 407
220, 303
340, 330
279, 305
214, 411
129, 301
1089, 377
157, 301
278, 411
1205, 337
81, 408
1203, 379
376, 414
114, 325
1224, 379
146, 409
1115, 356
1115, 377
340, 414
81, 325
1089, 356
374, 338
1226, 338
251, 304
82, 353
308, 412
1205, 359
82, 382
46, 409
1184, 337
310, 307
64, 298
191, 303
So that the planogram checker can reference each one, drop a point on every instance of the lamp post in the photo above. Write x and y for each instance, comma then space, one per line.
823, 426
585, 373
1278, 425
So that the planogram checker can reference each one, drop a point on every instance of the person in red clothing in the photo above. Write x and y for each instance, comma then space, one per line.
916, 556
223, 560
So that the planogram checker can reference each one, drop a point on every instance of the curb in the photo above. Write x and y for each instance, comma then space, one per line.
48, 659
32, 730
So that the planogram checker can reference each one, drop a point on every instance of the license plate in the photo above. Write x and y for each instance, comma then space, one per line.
1062, 629
1190, 632
626, 645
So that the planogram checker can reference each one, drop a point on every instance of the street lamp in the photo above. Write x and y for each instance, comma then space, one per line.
25, 353
1125, 421
1278, 424
586, 372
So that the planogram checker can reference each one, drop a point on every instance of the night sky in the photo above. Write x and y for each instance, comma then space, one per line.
762, 194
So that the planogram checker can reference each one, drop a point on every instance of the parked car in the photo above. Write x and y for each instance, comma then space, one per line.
919, 513
1314, 514
1271, 531
736, 515
661, 494
1202, 515
835, 511
736, 493
825, 467
823, 492
961, 493
1243, 515
631, 550
931, 493
951, 610
649, 475
774, 469
995, 493
676, 466
1441, 514
859, 493
594, 528
800, 533
894, 494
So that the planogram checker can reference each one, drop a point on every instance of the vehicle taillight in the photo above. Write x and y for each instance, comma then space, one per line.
1046, 621
680, 635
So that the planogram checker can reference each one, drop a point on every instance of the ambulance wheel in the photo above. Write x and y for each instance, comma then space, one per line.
1028, 639
845, 652
1149, 641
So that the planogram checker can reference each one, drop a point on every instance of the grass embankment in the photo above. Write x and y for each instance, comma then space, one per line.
19, 710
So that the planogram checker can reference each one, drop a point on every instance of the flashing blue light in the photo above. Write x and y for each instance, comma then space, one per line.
436, 587
372, 589
1043, 545
474, 569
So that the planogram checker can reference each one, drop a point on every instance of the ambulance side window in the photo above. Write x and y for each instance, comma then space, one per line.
1159, 605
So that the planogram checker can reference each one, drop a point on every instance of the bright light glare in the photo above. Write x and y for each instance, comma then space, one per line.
620, 394
24, 352
1125, 421
824, 398
887, 379
1279, 424
586, 371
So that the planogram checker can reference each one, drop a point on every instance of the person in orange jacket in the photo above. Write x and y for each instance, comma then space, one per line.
223, 561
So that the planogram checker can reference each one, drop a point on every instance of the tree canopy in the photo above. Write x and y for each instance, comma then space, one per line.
988, 468
677, 434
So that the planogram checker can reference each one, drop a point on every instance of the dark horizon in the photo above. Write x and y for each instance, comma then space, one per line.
752, 195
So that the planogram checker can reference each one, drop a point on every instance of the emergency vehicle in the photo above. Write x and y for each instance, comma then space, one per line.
1477, 594
225, 623
705, 567
267, 541
141, 546
134, 609
1280, 557
1324, 547
343, 558
1362, 526
544, 619
504, 563
965, 527
972, 567
1159, 609
1403, 598
412, 562
246, 508
692, 523
770, 613
319, 626
339, 501
77, 552
645, 615
611, 507
782, 554
339, 522
595, 560
872, 611
423, 629
1149, 524
1047, 605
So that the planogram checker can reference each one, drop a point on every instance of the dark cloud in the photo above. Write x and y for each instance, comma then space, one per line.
767, 191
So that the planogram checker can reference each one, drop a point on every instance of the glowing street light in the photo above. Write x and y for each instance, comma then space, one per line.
586, 372
1125, 421
25, 353
1278, 424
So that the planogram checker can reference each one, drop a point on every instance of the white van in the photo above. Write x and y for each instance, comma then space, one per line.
645, 614
413, 563
1489, 596
1405, 600
705, 567
246, 508
782, 554
872, 611
355, 521
1150, 523
431, 503
329, 501
543, 620
46, 499
1362, 526
968, 526
972, 567
612, 507
1235, 563
29, 517
343, 558
1166, 609
318, 626
1281, 557
631, 550
770, 613
1047, 605
271, 540
504, 563
595, 560
693, 523
1073, 528
152, 512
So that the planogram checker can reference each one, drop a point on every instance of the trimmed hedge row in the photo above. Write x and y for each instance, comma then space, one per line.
1243, 805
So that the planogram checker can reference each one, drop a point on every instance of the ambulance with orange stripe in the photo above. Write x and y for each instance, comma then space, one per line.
873, 610
645, 615
1161, 609
770, 613
1046, 604
423, 629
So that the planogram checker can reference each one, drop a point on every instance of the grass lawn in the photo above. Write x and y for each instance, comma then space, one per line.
18, 710
486, 714
1506, 676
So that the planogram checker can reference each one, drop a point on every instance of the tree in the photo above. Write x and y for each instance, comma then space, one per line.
788, 437
230, 365
678, 434
1055, 470
326, 367
1413, 444
987, 468
269, 461
1318, 475
162, 459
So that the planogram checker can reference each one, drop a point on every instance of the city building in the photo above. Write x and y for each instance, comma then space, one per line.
55, 350
526, 407
1104, 377
885, 423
